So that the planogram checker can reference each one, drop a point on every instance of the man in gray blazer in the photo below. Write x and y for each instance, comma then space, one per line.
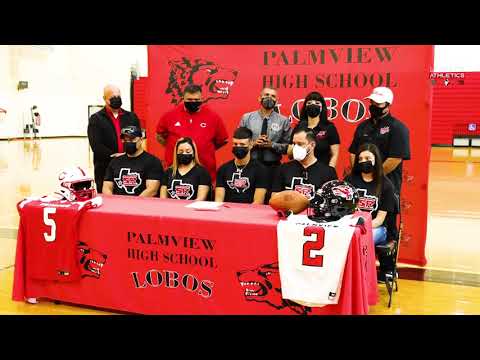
271, 132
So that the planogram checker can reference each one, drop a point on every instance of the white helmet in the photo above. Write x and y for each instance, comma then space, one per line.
76, 185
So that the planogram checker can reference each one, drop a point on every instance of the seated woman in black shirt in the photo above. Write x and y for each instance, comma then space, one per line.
375, 190
186, 179
314, 116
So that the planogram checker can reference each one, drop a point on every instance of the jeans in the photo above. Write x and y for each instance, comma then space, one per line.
380, 235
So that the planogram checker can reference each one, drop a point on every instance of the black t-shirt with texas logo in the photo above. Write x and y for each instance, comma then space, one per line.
130, 174
293, 176
185, 187
240, 183
325, 136
368, 201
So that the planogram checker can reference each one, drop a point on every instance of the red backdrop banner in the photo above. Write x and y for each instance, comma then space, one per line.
233, 75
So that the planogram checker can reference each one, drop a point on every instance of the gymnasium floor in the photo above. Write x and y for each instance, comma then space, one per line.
449, 284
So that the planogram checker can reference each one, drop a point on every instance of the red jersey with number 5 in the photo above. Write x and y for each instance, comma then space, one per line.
48, 228
311, 258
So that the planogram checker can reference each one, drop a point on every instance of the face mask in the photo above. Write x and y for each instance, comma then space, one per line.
192, 106
268, 103
375, 111
130, 148
299, 152
313, 110
115, 102
184, 159
240, 152
365, 167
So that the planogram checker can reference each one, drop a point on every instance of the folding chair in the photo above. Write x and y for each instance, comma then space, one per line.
388, 253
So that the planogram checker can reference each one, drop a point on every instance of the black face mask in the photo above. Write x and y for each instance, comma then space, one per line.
313, 110
116, 102
184, 159
365, 167
130, 148
376, 111
268, 103
192, 106
240, 152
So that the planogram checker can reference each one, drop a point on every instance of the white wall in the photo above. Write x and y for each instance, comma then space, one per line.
457, 58
62, 81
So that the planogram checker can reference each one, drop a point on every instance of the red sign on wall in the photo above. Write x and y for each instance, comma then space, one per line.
455, 110
232, 77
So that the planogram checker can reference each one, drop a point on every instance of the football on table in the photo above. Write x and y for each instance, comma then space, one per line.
289, 200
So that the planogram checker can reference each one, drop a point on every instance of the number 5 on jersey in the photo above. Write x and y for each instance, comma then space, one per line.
317, 243
49, 222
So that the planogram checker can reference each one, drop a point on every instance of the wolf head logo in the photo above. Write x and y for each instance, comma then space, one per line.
216, 81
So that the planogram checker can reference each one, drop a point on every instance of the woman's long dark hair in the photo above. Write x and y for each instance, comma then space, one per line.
377, 168
315, 95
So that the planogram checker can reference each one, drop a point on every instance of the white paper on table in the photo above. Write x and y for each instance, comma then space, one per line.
205, 205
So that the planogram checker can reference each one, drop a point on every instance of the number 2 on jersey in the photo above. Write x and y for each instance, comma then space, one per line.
317, 244
49, 222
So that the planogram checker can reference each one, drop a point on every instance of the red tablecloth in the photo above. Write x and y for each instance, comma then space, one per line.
155, 256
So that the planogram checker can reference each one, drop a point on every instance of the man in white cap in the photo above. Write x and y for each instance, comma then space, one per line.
392, 138
389, 134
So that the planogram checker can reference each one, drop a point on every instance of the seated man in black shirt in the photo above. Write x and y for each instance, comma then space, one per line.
305, 173
242, 180
137, 173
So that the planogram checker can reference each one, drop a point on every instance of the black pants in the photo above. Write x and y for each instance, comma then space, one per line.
393, 232
99, 171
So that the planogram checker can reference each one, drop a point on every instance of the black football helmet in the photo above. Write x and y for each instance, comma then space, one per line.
333, 200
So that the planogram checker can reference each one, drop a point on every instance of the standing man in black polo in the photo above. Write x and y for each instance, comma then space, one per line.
392, 138
271, 133
104, 132
390, 135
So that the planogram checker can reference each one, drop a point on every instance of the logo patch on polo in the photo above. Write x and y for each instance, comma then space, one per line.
275, 127
321, 134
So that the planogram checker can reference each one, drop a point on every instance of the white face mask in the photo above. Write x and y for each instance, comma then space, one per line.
299, 152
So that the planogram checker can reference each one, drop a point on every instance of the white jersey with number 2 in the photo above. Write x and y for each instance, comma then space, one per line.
311, 258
